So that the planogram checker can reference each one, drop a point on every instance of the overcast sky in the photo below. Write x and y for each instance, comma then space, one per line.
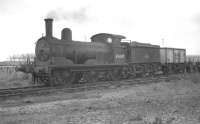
148, 21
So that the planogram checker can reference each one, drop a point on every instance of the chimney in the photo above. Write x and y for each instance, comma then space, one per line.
49, 27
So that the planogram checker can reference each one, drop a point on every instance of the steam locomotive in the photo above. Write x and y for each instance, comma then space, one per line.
106, 57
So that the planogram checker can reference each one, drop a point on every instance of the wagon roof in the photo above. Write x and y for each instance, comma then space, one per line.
173, 48
138, 44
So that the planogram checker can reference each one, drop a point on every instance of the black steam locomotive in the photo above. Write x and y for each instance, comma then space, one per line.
64, 61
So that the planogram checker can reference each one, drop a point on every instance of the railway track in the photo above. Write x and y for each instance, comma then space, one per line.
41, 90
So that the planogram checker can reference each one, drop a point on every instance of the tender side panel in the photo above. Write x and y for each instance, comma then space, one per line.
142, 54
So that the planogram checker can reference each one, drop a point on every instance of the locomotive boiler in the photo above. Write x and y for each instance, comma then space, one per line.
50, 50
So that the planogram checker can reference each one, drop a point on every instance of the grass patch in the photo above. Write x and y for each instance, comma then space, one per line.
14, 79
195, 78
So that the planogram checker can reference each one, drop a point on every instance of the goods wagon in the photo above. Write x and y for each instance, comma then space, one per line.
172, 55
172, 59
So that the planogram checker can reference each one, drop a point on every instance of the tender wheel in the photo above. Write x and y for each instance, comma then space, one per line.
63, 77
78, 76
91, 76
115, 74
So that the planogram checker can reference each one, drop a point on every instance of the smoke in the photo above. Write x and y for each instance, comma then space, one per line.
196, 20
79, 16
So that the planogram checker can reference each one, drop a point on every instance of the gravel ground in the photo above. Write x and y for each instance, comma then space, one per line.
175, 102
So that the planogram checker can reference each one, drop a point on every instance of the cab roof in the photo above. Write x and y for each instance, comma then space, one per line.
107, 35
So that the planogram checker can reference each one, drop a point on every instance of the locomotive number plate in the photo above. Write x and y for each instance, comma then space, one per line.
119, 56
